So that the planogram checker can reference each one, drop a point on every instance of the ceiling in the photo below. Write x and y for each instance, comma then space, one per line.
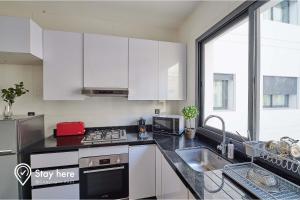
163, 14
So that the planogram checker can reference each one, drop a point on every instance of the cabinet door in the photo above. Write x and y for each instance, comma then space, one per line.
47, 160
158, 157
21, 41
141, 171
172, 187
36, 40
143, 69
172, 71
14, 34
105, 61
63, 65
57, 192
191, 196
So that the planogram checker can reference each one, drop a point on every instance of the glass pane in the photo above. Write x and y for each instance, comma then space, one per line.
226, 78
279, 70
278, 100
218, 97
267, 100
110, 182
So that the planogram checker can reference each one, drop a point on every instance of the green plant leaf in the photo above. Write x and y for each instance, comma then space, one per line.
9, 95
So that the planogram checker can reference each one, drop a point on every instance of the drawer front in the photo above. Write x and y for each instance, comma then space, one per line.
54, 176
101, 151
57, 192
54, 159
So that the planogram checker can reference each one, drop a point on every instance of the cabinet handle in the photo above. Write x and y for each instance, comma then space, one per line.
102, 170
6, 152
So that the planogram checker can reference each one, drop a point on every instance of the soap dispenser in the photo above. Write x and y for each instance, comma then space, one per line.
230, 153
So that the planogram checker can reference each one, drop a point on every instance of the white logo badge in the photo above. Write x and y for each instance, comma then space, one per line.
22, 173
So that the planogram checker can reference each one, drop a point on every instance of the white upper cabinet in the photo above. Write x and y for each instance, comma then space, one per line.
172, 71
143, 69
157, 70
105, 61
63, 65
21, 41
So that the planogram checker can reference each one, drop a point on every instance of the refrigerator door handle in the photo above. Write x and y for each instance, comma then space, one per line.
6, 152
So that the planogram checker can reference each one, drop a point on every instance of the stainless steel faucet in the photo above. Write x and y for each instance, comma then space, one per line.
223, 145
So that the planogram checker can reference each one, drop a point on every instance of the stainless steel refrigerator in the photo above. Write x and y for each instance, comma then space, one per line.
16, 137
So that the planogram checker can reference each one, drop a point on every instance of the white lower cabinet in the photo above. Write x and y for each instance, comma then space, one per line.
172, 186
45, 187
191, 196
141, 171
57, 192
158, 187
168, 184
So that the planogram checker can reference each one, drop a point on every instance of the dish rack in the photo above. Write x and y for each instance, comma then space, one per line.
256, 149
283, 189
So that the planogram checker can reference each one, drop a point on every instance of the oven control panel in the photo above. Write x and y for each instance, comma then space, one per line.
97, 161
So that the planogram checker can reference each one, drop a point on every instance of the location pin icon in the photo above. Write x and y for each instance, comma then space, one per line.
22, 173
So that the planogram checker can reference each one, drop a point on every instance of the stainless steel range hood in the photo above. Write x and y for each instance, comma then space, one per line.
105, 92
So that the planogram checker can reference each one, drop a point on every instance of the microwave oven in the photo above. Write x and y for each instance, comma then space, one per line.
169, 124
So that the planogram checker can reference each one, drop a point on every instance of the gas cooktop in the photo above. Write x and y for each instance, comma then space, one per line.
105, 136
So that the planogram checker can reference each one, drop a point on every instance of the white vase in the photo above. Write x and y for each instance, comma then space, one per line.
190, 133
7, 113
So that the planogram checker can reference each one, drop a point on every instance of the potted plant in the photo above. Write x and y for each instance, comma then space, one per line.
189, 113
9, 95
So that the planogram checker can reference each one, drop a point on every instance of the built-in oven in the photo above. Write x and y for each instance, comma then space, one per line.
104, 177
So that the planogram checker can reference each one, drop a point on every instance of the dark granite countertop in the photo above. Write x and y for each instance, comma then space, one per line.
199, 183
69, 143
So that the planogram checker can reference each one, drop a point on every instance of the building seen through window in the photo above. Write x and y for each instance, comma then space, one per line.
223, 91
279, 92
285, 11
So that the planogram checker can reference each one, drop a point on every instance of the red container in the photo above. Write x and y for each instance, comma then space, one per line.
70, 128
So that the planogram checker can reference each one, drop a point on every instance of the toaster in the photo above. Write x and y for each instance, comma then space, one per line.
70, 128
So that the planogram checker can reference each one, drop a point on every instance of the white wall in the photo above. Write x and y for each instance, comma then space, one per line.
94, 111
205, 16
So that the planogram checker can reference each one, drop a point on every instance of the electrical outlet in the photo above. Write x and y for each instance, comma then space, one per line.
157, 111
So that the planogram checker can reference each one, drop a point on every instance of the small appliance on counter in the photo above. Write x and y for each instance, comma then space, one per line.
70, 128
142, 129
168, 124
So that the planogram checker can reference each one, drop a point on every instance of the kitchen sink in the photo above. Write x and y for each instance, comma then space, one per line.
202, 159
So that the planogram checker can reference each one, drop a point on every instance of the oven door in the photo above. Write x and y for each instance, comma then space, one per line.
166, 125
105, 182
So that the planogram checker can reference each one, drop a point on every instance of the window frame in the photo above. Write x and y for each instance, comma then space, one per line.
248, 9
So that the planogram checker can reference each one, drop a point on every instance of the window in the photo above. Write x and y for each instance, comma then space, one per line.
285, 11
223, 91
280, 12
278, 91
276, 101
226, 77
268, 104
279, 71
